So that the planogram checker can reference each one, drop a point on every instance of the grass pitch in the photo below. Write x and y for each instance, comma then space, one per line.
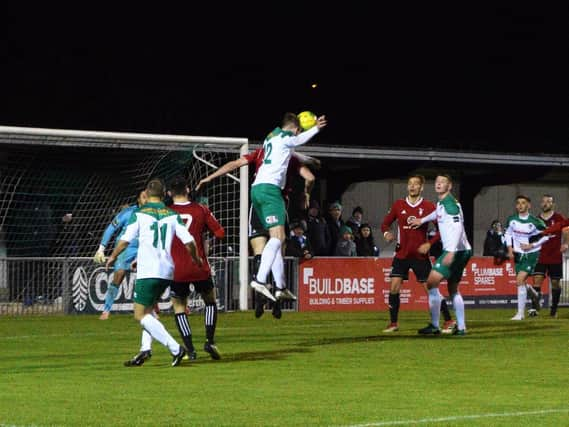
306, 369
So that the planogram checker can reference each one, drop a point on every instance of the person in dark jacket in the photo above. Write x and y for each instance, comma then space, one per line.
335, 223
355, 221
317, 230
298, 244
494, 244
365, 245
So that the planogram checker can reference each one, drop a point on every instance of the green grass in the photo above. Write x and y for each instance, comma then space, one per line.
305, 369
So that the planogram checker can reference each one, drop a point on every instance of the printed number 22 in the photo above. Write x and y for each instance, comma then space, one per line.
268, 149
163, 230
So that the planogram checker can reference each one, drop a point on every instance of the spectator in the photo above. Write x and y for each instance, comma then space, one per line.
355, 221
335, 223
317, 230
365, 245
298, 245
495, 243
346, 246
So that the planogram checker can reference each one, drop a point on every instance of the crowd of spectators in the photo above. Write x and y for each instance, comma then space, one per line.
327, 234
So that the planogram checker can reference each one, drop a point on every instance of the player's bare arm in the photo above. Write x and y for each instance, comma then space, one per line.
121, 246
415, 222
226, 168
193, 251
424, 248
308, 160
308, 184
565, 239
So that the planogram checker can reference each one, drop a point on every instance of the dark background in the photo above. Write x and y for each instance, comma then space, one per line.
450, 76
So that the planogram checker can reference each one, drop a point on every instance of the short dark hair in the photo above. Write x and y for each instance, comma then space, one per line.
523, 196
419, 177
155, 188
447, 176
178, 186
358, 209
550, 196
290, 119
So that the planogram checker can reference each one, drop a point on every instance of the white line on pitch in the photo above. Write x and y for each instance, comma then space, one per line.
459, 418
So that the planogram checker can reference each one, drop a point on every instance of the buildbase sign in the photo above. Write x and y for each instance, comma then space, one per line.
348, 284
339, 284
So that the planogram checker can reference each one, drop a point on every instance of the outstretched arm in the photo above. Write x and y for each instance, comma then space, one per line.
225, 169
308, 160
305, 136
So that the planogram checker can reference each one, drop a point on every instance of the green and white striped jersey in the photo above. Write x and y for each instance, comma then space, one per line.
520, 228
155, 226
278, 147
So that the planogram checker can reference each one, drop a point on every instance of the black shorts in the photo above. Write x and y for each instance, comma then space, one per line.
421, 268
553, 271
256, 228
181, 290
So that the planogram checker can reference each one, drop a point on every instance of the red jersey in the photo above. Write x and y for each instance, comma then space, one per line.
197, 218
408, 239
294, 165
550, 252
558, 226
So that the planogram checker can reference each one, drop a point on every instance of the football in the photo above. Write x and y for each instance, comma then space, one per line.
307, 120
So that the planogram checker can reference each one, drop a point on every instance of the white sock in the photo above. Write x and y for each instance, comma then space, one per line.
522, 296
435, 306
458, 304
146, 341
155, 328
272, 248
278, 271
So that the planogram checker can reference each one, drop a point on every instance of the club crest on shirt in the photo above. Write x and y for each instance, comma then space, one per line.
420, 211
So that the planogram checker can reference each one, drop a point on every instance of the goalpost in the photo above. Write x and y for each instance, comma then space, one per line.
59, 189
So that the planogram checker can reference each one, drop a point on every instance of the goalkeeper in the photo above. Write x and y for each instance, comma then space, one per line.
125, 259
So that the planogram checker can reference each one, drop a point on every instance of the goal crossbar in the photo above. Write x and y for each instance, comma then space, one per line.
103, 139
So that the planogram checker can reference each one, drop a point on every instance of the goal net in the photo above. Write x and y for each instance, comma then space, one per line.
60, 189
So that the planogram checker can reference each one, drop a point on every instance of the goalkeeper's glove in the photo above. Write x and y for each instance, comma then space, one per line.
99, 257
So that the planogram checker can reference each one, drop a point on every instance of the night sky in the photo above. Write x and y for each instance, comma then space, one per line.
466, 77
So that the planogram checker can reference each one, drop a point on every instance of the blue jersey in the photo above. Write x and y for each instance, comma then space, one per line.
119, 224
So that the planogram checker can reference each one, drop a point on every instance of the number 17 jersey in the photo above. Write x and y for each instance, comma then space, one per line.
197, 219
